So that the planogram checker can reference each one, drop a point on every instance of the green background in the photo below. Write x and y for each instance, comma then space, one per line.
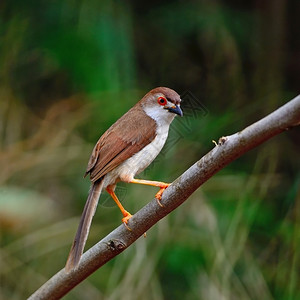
69, 69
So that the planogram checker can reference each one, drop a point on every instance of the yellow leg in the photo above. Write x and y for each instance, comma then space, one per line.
161, 185
125, 213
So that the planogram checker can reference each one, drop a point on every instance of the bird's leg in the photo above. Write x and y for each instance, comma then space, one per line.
125, 213
161, 185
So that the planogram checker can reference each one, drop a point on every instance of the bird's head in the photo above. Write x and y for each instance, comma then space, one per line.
162, 104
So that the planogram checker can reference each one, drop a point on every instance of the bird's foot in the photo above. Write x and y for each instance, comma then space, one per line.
159, 194
126, 218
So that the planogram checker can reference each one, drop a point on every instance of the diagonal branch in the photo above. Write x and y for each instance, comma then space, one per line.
227, 150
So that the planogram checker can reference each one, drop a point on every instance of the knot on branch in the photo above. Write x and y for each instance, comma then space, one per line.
116, 245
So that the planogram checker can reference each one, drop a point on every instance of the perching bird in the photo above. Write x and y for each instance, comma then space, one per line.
123, 151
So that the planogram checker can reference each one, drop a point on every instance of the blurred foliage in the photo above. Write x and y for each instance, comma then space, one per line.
69, 69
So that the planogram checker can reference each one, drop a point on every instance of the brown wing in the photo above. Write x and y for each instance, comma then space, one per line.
132, 132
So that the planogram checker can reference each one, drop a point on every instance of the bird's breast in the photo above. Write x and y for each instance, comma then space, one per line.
140, 160
144, 157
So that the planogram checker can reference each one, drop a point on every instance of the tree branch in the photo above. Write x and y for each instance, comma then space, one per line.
228, 149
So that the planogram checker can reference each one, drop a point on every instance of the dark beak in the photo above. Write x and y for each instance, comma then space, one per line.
176, 110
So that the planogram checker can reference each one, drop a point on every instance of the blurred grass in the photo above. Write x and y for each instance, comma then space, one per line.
69, 69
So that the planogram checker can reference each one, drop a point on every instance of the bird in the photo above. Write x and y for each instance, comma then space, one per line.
123, 151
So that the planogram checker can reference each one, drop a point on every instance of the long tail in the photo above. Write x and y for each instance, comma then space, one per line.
84, 226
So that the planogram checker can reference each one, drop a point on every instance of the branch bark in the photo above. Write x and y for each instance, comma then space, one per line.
227, 150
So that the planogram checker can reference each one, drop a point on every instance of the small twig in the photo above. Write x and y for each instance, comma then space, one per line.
227, 150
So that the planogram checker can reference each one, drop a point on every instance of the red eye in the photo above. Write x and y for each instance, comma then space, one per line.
162, 101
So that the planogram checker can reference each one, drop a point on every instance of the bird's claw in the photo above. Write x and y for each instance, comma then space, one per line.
158, 202
159, 194
126, 218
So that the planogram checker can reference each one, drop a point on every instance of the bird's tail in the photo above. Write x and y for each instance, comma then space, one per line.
84, 226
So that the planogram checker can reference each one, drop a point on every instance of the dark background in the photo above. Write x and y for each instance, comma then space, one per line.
69, 69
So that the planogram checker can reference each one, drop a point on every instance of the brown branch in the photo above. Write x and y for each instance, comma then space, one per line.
227, 150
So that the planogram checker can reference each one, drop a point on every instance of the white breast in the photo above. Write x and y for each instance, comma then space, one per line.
141, 160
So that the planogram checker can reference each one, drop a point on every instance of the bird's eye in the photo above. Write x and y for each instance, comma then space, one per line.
162, 101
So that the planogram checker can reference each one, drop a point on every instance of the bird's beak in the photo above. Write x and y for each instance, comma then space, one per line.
175, 109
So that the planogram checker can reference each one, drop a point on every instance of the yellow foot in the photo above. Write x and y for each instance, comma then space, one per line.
126, 218
159, 194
